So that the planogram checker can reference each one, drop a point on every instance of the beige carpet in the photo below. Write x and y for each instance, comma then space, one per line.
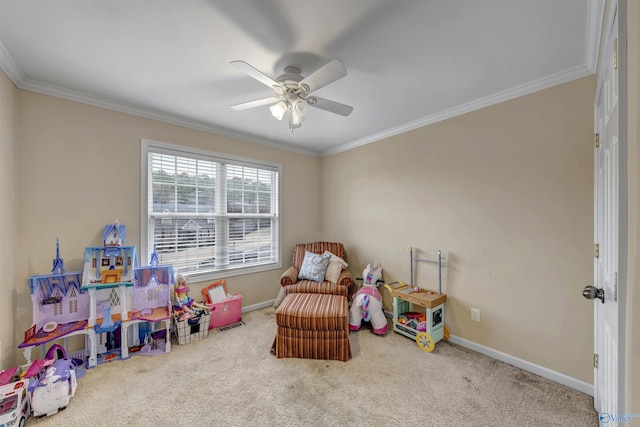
231, 379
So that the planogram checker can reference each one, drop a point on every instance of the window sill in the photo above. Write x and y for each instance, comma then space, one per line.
230, 272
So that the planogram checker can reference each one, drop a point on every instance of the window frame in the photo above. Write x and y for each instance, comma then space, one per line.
150, 146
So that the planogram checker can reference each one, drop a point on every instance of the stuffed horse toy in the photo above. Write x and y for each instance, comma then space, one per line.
367, 302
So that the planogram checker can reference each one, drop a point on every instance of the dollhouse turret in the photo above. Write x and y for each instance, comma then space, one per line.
114, 234
58, 263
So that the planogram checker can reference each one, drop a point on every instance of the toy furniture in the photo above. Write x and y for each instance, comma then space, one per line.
123, 296
313, 319
426, 328
313, 326
60, 308
291, 281
150, 320
117, 305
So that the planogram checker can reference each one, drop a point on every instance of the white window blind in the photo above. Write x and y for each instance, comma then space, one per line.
209, 215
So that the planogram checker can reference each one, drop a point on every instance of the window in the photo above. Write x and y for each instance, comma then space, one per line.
208, 214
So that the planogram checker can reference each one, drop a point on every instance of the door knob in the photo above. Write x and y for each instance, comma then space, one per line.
591, 292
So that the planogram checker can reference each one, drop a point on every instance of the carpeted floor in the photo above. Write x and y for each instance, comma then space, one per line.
231, 379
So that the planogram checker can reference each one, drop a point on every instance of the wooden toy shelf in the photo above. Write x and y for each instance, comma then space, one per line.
432, 302
433, 328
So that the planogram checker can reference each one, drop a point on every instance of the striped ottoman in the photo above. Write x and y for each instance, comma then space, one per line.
313, 326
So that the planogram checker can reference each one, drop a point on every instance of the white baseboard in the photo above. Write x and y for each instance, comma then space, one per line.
525, 365
258, 306
495, 354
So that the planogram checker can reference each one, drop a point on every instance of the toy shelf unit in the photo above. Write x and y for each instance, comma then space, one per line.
426, 324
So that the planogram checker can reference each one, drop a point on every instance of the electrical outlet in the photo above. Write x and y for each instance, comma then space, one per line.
475, 314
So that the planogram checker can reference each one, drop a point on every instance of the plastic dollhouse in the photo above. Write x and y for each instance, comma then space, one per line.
120, 308
60, 308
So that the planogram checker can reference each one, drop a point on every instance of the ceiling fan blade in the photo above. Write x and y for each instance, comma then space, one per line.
331, 106
328, 73
256, 103
255, 73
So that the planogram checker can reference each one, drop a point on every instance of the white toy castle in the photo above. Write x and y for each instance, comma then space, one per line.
119, 307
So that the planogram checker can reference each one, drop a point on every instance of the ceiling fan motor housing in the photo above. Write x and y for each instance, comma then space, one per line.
290, 79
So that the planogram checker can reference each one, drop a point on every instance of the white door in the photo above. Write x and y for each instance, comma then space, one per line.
606, 211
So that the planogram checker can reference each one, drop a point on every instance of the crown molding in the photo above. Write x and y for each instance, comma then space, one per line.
515, 92
10, 68
96, 101
595, 19
21, 82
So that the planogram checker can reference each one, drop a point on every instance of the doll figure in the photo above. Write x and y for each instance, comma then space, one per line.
182, 300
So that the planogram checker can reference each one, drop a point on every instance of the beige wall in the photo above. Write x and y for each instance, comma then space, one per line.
79, 169
633, 276
507, 193
8, 142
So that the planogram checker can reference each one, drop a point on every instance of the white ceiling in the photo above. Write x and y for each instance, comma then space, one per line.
409, 62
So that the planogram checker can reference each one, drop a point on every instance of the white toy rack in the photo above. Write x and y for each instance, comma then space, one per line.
440, 261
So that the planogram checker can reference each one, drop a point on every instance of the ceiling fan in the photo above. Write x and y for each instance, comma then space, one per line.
292, 91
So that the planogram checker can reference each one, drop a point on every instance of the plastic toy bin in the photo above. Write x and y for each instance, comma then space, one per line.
226, 312
190, 330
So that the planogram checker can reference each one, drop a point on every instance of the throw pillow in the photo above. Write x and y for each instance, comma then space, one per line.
314, 266
336, 264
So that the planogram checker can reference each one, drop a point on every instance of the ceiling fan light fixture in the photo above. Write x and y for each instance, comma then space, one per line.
295, 122
299, 106
296, 119
278, 110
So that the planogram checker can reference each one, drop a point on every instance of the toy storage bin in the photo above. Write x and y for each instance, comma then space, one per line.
186, 331
226, 312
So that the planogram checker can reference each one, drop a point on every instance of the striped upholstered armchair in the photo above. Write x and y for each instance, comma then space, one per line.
337, 279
